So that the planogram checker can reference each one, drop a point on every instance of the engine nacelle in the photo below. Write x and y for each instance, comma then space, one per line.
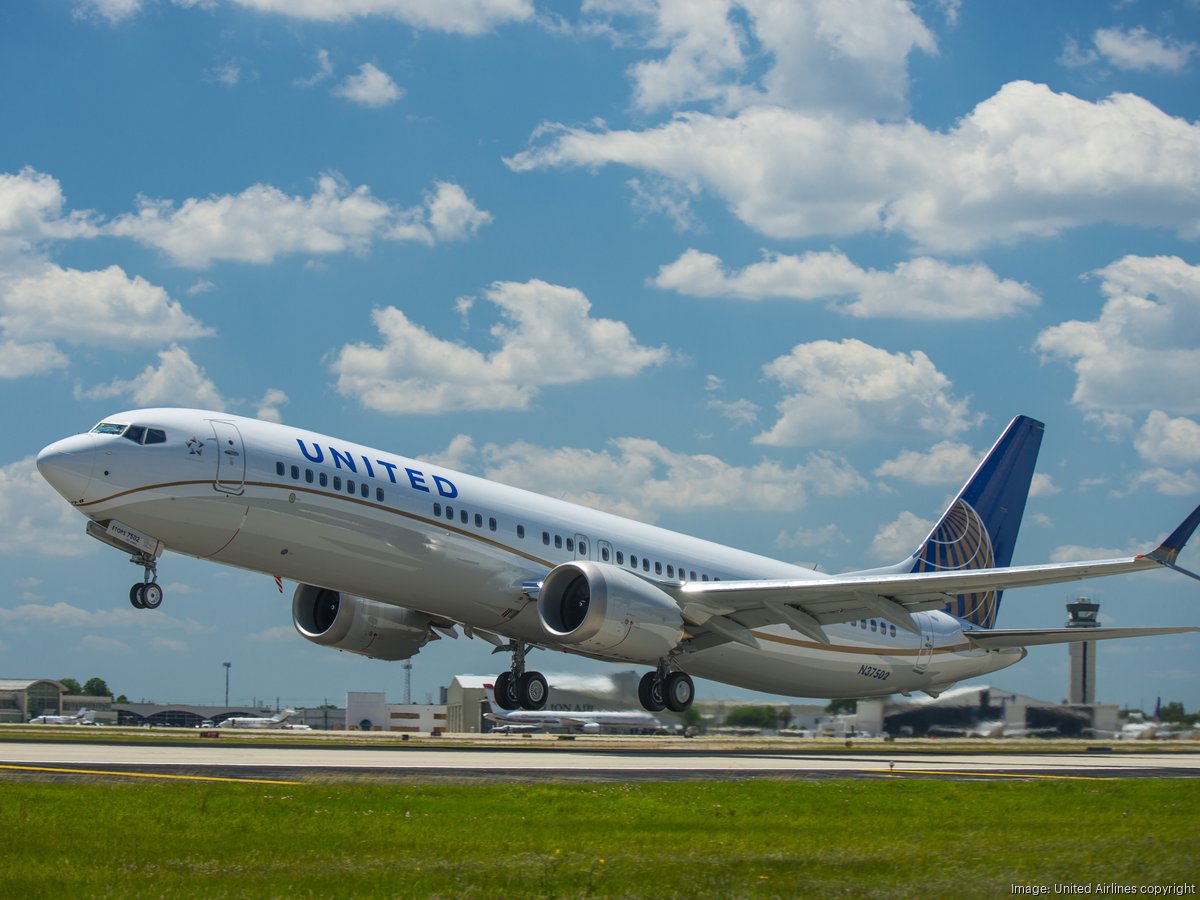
605, 610
368, 627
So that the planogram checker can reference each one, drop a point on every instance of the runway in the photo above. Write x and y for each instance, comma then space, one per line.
281, 763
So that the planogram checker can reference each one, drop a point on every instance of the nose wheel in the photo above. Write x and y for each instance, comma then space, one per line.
146, 594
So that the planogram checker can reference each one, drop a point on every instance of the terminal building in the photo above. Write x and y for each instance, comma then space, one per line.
22, 699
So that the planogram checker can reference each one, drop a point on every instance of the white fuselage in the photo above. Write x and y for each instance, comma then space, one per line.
323, 511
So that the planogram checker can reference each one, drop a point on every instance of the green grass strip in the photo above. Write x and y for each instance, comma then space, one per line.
882, 838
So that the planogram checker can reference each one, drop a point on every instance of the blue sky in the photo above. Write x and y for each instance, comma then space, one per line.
772, 274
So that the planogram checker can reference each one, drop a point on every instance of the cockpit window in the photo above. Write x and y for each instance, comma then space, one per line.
139, 434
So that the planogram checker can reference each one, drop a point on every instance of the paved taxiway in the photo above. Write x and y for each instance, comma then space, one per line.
527, 763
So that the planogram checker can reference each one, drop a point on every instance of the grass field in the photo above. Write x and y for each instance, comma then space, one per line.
732, 839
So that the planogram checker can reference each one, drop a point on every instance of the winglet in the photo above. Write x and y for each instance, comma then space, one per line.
1168, 551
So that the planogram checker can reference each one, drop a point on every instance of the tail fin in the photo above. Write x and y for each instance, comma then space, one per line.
979, 529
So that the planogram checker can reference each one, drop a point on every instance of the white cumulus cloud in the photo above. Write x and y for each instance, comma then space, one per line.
468, 17
921, 288
547, 336
177, 380
370, 87
1027, 162
262, 222
1143, 350
851, 391
1138, 50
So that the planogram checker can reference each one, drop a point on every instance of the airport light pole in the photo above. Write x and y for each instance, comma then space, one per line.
227, 665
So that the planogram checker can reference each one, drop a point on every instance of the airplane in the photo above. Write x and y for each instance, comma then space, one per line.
591, 722
83, 717
389, 553
279, 720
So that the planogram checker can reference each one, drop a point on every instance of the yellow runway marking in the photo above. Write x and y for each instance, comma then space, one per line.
62, 771
973, 774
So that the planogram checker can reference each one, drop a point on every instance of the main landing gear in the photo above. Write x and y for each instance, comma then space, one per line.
664, 689
146, 594
516, 688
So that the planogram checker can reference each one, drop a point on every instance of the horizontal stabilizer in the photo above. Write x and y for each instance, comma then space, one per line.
1032, 637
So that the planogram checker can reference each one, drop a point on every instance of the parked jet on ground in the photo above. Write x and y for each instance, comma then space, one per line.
83, 717
390, 552
591, 722
279, 720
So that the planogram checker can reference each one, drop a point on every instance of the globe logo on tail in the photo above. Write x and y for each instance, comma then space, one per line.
960, 542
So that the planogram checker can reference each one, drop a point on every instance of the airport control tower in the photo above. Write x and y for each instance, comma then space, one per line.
1083, 613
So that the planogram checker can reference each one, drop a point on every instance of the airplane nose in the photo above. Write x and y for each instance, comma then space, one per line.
68, 464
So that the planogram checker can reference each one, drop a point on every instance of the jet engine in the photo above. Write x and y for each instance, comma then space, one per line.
608, 611
368, 627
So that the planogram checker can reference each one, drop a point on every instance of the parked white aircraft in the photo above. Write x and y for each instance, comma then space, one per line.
391, 552
83, 717
591, 722
279, 720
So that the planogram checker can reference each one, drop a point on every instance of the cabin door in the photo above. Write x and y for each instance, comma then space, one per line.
231, 458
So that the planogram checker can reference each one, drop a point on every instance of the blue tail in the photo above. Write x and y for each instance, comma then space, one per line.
979, 530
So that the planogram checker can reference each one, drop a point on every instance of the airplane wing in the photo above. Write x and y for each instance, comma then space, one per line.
727, 610
1031, 637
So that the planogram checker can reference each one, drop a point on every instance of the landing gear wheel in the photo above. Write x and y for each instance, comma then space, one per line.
152, 596
650, 693
532, 690
678, 691
137, 596
506, 691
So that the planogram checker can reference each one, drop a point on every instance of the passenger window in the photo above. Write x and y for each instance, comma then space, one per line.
349, 485
156, 436
872, 625
478, 520
450, 512
463, 516
546, 538
670, 571
365, 490
620, 557
337, 482
693, 574
295, 473
558, 542
279, 468
491, 524
437, 510
658, 568
645, 564
379, 494
604, 553
892, 629
323, 479
704, 578
308, 475
521, 532
583, 548
632, 561
571, 545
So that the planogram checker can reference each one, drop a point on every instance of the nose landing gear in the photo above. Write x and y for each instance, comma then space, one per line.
146, 594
